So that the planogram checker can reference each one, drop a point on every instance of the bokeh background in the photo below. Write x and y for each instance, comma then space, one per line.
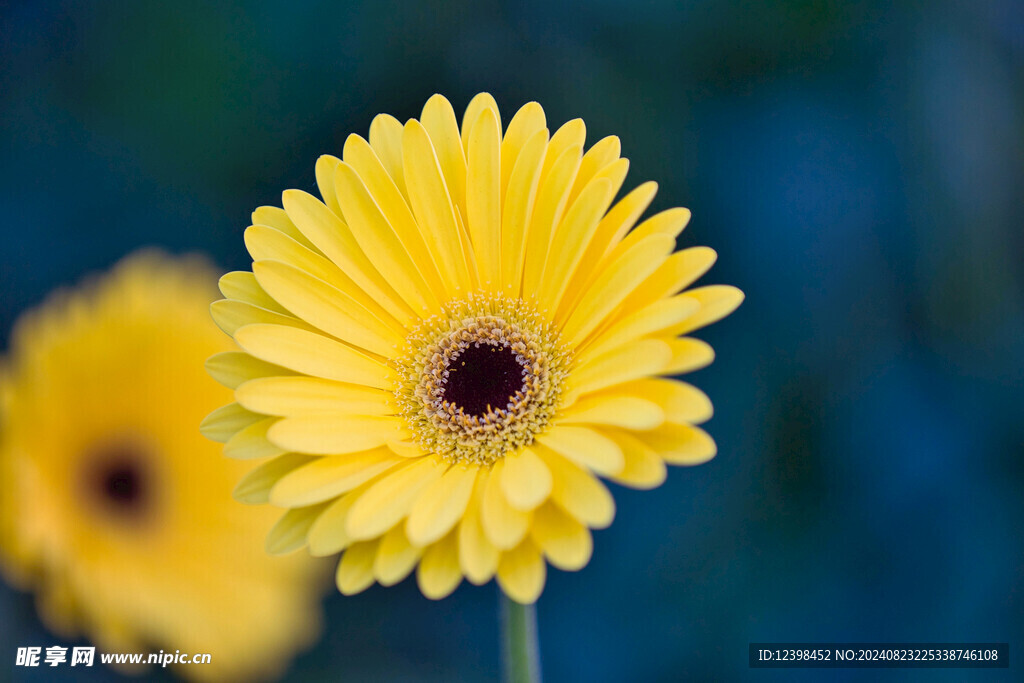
858, 168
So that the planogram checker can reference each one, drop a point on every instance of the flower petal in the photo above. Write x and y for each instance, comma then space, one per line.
623, 364
716, 302
525, 480
688, 354
517, 209
477, 555
337, 433
388, 501
644, 467
277, 218
680, 444
585, 447
439, 573
440, 506
327, 231
386, 141
226, 421
578, 492
254, 487
355, 571
552, 201
680, 401
655, 317
292, 396
329, 477
326, 307
521, 573
231, 315
631, 412
433, 208
396, 557
504, 525
483, 194
289, 533
241, 285
438, 119
252, 443
566, 542
313, 354
327, 535
234, 368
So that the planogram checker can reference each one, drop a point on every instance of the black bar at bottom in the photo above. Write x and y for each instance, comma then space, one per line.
879, 655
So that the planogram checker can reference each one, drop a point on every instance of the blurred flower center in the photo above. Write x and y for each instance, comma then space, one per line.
118, 479
481, 377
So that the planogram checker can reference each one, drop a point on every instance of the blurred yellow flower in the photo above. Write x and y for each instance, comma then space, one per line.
442, 354
113, 508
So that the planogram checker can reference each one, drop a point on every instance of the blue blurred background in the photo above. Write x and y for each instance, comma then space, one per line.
858, 168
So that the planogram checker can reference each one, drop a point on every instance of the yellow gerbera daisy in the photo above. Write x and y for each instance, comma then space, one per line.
441, 356
113, 509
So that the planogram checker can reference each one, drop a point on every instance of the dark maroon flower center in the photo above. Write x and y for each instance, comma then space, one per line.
481, 377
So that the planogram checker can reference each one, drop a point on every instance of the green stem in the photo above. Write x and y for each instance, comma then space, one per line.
519, 649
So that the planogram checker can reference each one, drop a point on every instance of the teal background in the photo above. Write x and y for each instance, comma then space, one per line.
858, 168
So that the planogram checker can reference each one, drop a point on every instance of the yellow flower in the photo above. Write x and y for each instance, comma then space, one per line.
113, 509
440, 356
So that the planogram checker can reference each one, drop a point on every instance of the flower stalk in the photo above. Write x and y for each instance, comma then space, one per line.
520, 651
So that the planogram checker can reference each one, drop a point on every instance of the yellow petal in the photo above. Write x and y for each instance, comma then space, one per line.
329, 477
688, 354
254, 487
386, 140
276, 218
570, 239
226, 421
655, 317
289, 533
328, 232
396, 557
234, 368
355, 571
483, 194
474, 110
406, 448
570, 134
380, 242
680, 444
439, 574
325, 167
622, 364
328, 535
329, 434
252, 442
313, 354
521, 573
388, 501
518, 207
395, 208
619, 219
680, 401
631, 412
504, 525
438, 119
585, 447
716, 302
525, 480
644, 467
526, 123
266, 244
230, 315
669, 222
578, 492
676, 273
326, 307
439, 507
432, 207
566, 542
552, 200
292, 396
604, 153
614, 284
477, 555
240, 285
